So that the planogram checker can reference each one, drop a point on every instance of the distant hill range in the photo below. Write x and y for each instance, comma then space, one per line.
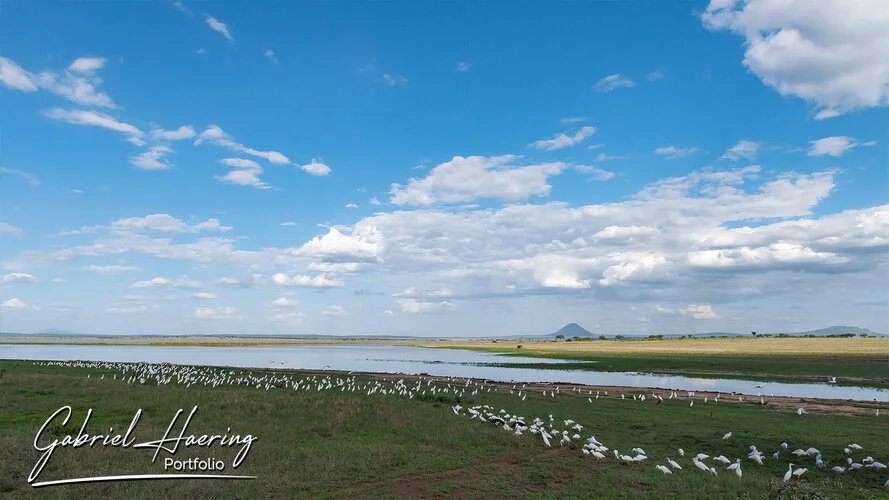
570, 330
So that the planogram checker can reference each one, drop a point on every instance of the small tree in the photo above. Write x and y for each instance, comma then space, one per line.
754, 333
602, 337
560, 337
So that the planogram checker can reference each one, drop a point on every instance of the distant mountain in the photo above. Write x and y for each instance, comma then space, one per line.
571, 330
838, 330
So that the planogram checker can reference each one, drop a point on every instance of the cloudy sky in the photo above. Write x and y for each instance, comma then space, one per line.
462, 168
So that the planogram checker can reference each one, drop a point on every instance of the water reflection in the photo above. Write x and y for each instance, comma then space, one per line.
415, 360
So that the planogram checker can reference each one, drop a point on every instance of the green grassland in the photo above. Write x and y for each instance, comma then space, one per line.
341, 444
855, 361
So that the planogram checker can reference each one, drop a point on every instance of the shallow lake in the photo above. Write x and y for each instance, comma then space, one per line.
416, 360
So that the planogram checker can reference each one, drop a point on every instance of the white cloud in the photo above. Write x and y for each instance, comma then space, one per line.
19, 278
463, 66
202, 296
163, 223
832, 146
111, 269
573, 119
219, 27
338, 267
91, 118
128, 309
77, 84
153, 159
334, 310
364, 245
477, 177
743, 149
674, 153
181, 7
183, 132
319, 281
288, 223
8, 228
413, 306
563, 140
167, 284
245, 173
32, 180
696, 311
291, 317
285, 302
15, 303
375, 202
393, 80
87, 65
316, 167
833, 55
13, 76
613, 82
271, 55
351, 205
655, 76
246, 282
217, 136
205, 312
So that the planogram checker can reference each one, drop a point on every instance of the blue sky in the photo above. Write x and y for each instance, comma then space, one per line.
443, 169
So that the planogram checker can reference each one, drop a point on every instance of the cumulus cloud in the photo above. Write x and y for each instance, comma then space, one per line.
477, 177
285, 302
205, 312
19, 278
153, 159
832, 146
183, 132
613, 82
833, 55
563, 140
743, 149
696, 311
315, 167
413, 306
319, 281
245, 173
673, 153
15, 303
202, 296
162, 223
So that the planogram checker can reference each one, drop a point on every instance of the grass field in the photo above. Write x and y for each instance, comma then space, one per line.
858, 361
345, 444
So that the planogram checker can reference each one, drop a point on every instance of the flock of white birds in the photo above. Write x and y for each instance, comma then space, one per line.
549, 430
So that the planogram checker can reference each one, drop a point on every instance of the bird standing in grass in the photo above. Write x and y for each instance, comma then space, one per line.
788, 473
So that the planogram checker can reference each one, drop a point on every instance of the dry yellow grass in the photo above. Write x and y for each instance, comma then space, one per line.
856, 346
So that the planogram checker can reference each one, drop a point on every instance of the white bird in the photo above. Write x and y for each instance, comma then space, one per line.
664, 469
700, 465
854, 446
801, 411
837, 468
681, 452
800, 472
673, 464
701, 456
784, 445
728, 435
736, 465
788, 473
721, 458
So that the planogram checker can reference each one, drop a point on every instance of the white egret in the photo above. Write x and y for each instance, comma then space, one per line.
788, 473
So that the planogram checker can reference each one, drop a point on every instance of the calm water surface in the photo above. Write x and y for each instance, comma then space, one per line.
415, 360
